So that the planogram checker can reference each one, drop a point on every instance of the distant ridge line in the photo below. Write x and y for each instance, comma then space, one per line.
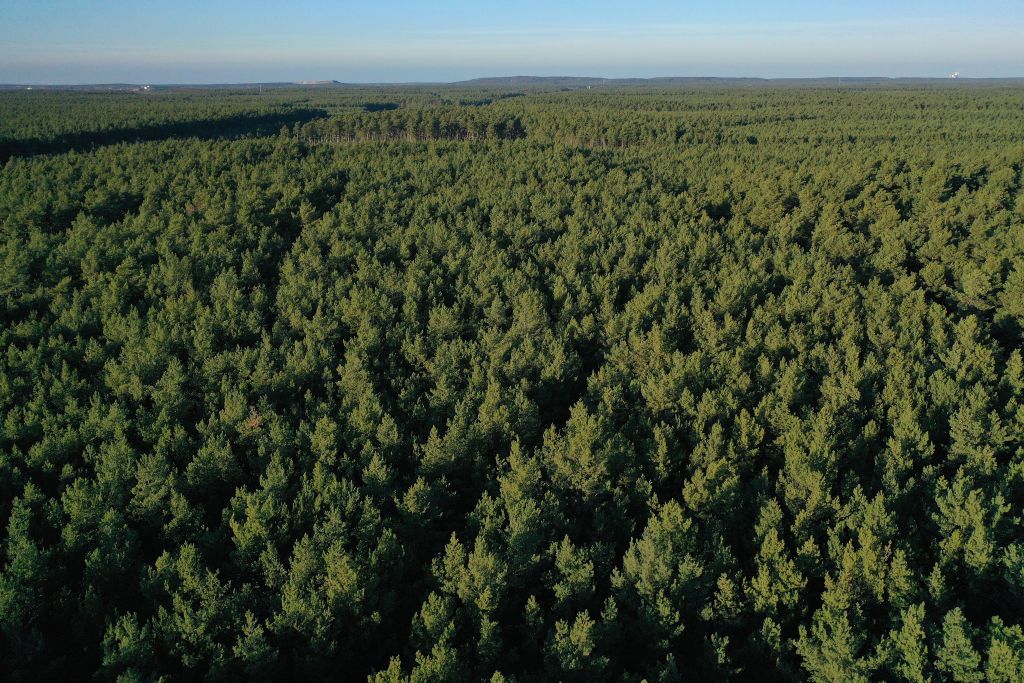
536, 81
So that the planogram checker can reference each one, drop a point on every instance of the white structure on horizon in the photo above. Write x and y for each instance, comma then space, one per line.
955, 74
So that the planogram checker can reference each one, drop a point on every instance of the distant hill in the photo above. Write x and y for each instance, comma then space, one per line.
577, 82
585, 81
554, 82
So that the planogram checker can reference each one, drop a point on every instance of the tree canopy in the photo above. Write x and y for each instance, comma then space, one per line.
412, 384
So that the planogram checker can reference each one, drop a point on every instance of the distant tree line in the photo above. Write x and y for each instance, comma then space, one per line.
435, 123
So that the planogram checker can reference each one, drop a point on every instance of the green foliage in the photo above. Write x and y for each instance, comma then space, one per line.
471, 384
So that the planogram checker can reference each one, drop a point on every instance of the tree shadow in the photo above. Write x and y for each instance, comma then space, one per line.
228, 127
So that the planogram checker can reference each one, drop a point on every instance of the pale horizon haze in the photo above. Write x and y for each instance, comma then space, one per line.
62, 42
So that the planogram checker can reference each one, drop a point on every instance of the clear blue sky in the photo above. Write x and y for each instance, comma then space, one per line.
159, 41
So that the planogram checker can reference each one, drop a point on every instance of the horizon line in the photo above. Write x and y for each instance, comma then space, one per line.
329, 82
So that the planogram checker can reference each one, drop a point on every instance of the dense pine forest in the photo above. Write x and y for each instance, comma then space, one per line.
513, 384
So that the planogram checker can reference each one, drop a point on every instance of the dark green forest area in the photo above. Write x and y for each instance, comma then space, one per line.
459, 384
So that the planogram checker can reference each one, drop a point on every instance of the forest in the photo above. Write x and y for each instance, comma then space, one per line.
508, 383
